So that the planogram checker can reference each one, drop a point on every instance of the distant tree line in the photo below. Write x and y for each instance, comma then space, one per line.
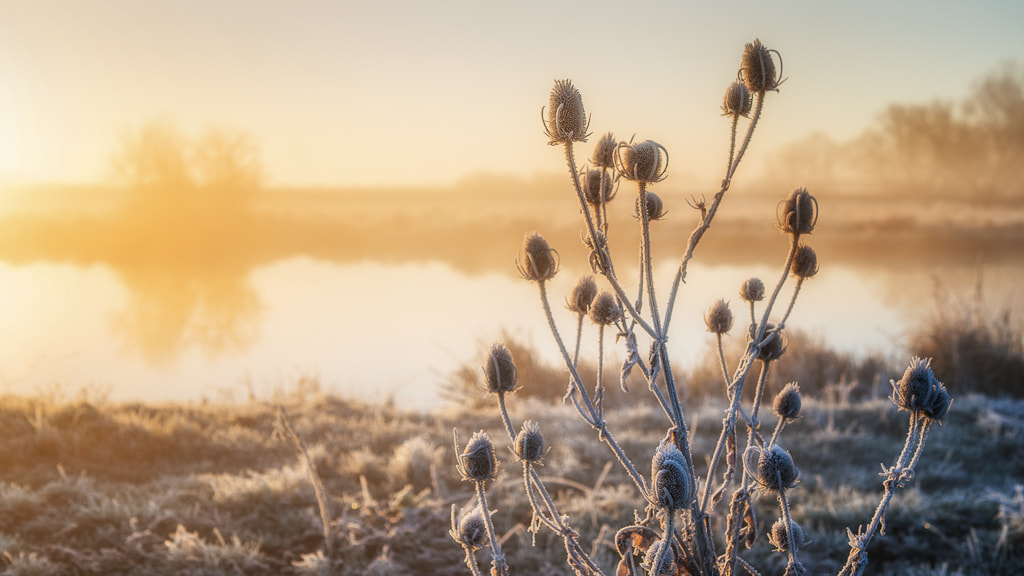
973, 148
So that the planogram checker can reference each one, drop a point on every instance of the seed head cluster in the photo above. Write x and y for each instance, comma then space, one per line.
758, 68
798, 212
671, 486
529, 443
752, 290
477, 462
805, 262
604, 151
645, 162
668, 563
605, 309
655, 207
737, 100
787, 402
773, 345
471, 529
500, 370
566, 119
919, 390
776, 472
582, 295
719, 317
537, 260
779, 538
598, 186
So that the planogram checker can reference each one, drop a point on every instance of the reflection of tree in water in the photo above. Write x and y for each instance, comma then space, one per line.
187, 207
170, 310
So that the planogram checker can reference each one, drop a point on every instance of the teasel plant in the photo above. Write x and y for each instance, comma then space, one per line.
673, 533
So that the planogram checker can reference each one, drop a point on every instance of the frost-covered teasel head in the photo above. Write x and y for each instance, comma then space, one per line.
645, 162
919, 390
737, 100
529, 443
752, 290
779, 538
604, 152
655, 207
787, 402
668, 562
774, 344
470, 530
477, 462
671, 486
566, 120
798, 213
719, 318
758, 68
805, 262
598, 186
582, 295
500, 370
537, 260
605, 309
776, 472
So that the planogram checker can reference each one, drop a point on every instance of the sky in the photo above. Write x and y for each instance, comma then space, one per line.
426, 93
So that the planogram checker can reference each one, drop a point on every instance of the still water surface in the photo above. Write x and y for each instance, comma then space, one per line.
370, 330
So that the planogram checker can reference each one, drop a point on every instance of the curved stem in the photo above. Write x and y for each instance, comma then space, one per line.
497, 559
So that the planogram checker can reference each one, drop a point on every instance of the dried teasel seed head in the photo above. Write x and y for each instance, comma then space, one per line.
773, 346
537, 260
529, 443
644, 162
752, 290
779, 538
471, 530
668, 563
737, 100
605, 309
478, 461
798, 213
655, 207
671, 486
937, 409
500, 370
776, 472
582, 295
598, 185
787, 402
719, 317
604, 152
758, 68
805, 262
566, 119
917, 388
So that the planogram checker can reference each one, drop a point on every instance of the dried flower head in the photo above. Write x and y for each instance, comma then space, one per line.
500, 370
598, 186
537, 260
787, 402
470, 530
719, 317
737, 100
582, 295
671, 486
917, 388
937, 409
798, 212
752, 290
758, 68
566, 119
644, 162
477, 462
668, 563
776, 472
779, 538
655, 207
605, 309
773, 346
805, 262
529, 443
604, 152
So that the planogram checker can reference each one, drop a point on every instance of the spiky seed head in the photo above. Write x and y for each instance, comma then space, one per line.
537, 260
582, 295
758, 68
672, 488
805, 262
655, 207
566, 118
798, 213
605, 309
668, 564
597, 184
916, 389
529, 443
776, 472
604, 152
737, 100
500, 370
752, 290
787, 402
478, 461
645, 162
779, 538
937, 409
471, 530
719, 317
773, 346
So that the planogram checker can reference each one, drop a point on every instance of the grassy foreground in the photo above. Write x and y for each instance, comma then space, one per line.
217, 489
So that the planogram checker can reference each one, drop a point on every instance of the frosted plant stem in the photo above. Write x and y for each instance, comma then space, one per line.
728, 427
599, 387
605, 254
509, 429
670, 529
646, 259
778, 430
778, 288
497, 559
529, 475
784, 505
721, 363
579, 336
590, 415
759, 391
792, 301
750, 132
471, 562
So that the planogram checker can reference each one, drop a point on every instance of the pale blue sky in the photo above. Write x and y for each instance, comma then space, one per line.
417, 92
